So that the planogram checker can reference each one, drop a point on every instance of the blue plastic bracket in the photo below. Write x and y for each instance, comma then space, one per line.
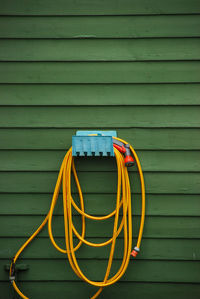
101, 144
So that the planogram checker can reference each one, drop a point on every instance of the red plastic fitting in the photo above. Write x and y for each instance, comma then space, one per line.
121, 149
135, 251
124, 149
129, 161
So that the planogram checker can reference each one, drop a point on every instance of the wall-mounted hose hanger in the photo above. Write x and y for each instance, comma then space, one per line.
94, 143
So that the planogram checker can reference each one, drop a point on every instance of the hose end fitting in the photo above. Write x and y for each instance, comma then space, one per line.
135, 251
11, 279
129, 161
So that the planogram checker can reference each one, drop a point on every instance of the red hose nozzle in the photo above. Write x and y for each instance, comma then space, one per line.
124, 149
129, 161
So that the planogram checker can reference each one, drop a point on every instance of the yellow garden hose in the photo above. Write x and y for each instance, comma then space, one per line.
123, 201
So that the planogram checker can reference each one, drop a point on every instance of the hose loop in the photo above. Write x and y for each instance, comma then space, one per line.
123, 202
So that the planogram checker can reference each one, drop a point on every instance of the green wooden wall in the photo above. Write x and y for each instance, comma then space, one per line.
129, 65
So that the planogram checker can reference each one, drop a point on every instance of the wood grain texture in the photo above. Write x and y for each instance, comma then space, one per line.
102, 204
100, 50
155, 227
92, 182
122, 289
82, 116
99, 94
152, 249
140, 138
96, 7
138, 270
182, 161
132, 66
100, 72
100, 27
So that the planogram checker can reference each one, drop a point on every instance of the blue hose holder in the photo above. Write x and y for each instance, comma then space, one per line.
101, 144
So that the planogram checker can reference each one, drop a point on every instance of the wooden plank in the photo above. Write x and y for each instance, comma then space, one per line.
157, 251
156, 204
99, 94
155, 226
96, 7
121, 289
140, 138
51, 160
83, 116
101, 182
151, 249
100, 49
100, 27
100, 72
175, 271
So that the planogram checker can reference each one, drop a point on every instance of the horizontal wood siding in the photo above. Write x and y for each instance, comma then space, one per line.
96, 7
128, 65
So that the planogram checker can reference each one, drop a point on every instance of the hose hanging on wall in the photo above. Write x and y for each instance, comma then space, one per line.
124, 154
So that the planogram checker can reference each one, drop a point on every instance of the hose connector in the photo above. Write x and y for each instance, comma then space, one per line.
129, 161
135, 251
124, 149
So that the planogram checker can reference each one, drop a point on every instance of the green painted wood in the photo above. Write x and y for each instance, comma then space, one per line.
96, 7
82, 116
140, 138
101, 182
99, 94
175, 271
121, 289
151, 249
156, 204
100, 49
100, 72
155, 226
51, 161
100, 27
160, 120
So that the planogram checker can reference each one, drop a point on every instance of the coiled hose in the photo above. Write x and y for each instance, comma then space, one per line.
123, 201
